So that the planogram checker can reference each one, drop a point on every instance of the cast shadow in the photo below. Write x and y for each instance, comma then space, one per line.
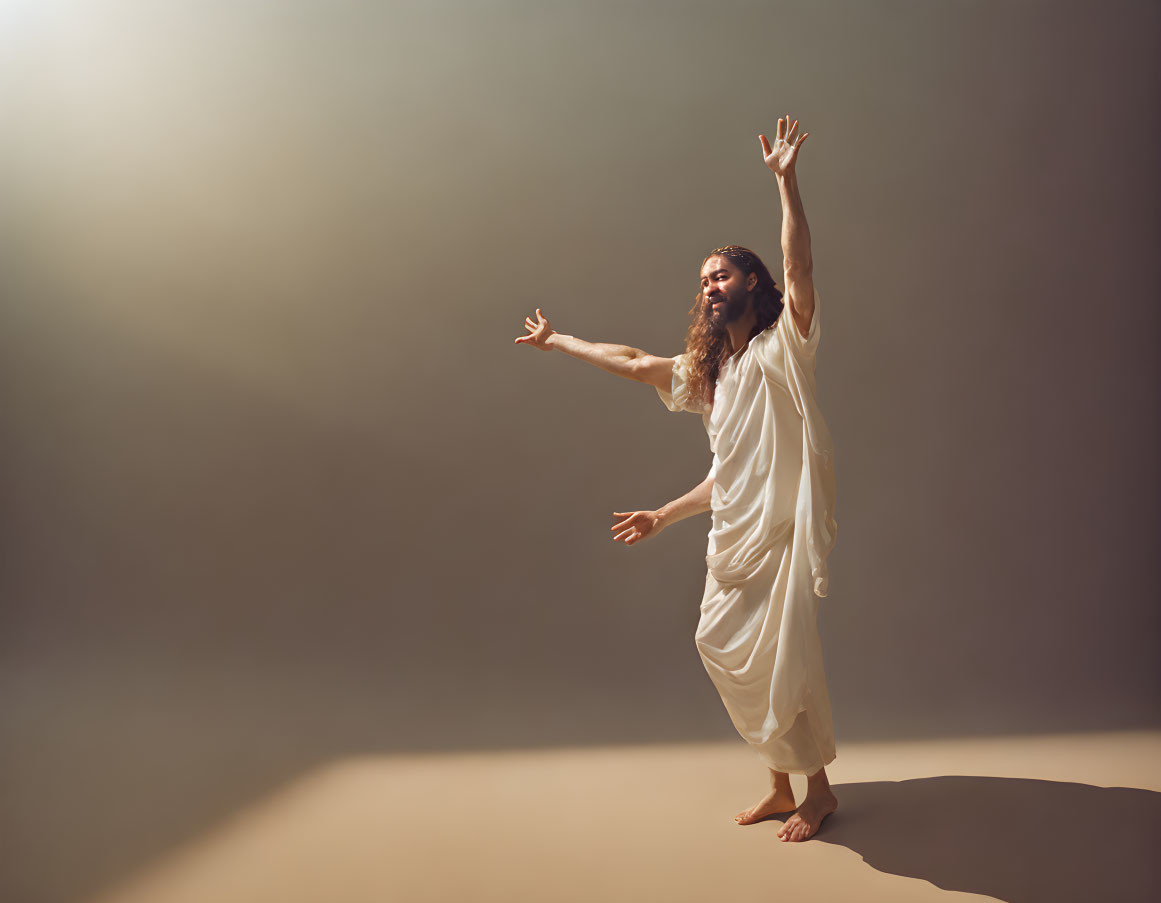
1023, 841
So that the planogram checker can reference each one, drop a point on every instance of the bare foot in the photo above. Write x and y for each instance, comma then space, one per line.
803, 823
774, 802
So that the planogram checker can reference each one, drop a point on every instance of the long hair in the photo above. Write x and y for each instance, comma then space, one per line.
707, 345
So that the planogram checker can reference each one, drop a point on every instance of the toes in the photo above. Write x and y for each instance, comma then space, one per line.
795, 829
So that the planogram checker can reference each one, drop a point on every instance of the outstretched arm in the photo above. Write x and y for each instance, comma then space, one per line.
643, 524
620, 360
782, 158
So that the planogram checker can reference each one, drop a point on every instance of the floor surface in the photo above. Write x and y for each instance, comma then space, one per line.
1048, 818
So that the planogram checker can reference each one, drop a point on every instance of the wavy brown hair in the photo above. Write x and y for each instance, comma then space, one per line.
707, 345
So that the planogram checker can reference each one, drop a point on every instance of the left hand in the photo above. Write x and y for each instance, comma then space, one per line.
783, 155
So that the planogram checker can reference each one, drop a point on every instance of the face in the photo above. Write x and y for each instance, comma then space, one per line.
725, 290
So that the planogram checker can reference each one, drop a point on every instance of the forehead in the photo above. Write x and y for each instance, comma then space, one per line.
715, 263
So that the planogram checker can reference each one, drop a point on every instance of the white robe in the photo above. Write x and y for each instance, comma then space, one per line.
773, 528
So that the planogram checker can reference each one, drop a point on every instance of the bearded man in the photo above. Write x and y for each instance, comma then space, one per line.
748, 371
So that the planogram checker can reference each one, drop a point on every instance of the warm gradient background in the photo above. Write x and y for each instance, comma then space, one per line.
279, 488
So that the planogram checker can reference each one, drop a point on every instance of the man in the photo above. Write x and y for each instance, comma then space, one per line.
748, 370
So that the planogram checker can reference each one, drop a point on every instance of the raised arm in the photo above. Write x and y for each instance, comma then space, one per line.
782, 158
643, 524
620, 360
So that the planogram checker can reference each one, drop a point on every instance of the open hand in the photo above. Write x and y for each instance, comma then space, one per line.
636, 525
539, 332
784, 153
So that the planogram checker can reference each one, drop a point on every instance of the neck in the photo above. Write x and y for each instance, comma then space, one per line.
739, 331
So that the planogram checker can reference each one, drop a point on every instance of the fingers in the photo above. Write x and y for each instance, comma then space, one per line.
630, 531
786, 127
766, 150
534, 332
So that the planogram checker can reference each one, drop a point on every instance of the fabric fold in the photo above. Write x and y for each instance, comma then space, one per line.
816, 501
677, 398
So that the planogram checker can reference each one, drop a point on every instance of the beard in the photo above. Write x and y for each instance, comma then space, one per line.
732, 310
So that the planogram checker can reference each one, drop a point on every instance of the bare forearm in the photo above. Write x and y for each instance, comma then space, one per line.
795, 232
696, 501
617, 359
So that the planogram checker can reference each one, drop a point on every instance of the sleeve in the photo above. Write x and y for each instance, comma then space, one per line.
802, 347
677, 398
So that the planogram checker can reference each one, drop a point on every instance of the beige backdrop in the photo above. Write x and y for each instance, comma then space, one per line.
278, 487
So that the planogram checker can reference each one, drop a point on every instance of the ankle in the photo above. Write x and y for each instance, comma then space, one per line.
817, 782
780, 781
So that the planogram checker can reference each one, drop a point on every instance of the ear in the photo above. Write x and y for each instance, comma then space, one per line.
751, 282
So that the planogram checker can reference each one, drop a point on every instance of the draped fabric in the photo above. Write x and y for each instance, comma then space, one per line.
773, 527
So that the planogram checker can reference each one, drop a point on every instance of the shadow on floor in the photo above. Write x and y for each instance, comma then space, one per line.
1023, 841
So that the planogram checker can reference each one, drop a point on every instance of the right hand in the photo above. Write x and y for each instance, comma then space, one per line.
539, 332
637, 525
782, 156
